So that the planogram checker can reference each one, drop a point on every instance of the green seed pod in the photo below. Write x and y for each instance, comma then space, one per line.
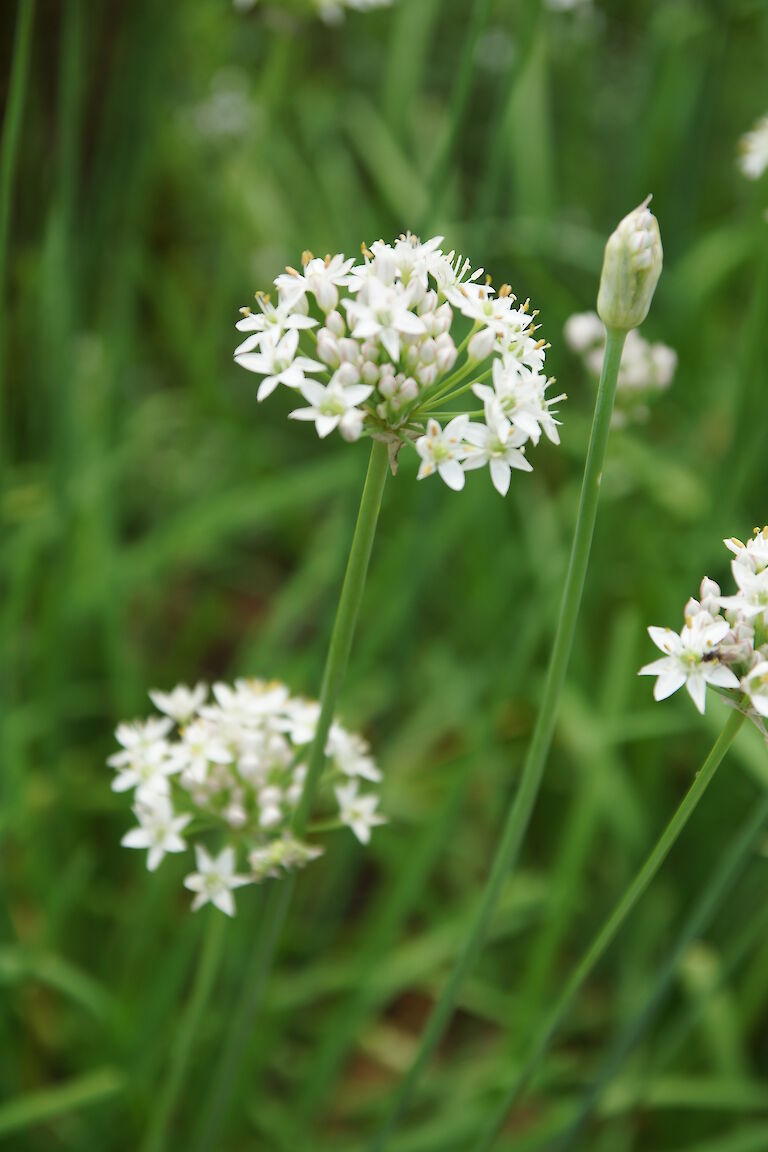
631, 270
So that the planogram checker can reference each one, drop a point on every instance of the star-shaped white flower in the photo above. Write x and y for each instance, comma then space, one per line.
329, 403
751, 600
278, 363
690, 659
358, 812
200, 746
382, 313
272, 319
181, 703
755, 685
442, 450
321, 278
159, 830
497, 444
215, 880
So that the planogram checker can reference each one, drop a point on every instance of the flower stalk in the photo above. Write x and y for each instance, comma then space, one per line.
525, 799
613, 925
279, 898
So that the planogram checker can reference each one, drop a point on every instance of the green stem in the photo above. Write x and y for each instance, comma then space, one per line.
14, 112
523, 804
280, 894
166, 1100
613, 924
727, 871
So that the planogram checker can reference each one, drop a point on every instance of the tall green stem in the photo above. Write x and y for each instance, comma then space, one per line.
613, 924
165, 1101
522, 806
14, 112
728, 868
280, 894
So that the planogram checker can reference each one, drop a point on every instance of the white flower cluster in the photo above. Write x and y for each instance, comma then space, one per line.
332, 11
370, 347
646, 370
753, 158
234, 767
724, 641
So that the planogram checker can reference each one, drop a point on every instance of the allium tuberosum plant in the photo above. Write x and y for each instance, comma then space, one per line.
723, 645
390, 348
631, 270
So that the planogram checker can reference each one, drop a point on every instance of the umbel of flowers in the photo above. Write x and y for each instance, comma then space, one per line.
226, 775
646, 371
724, 641
373, 348
332, 11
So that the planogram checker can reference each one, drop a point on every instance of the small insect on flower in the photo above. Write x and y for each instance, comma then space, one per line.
646, 371
724, 641
230, 779
386, 347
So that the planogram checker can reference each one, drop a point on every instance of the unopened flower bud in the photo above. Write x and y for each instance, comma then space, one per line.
349, 349
481, 345
370, 373
347, 375
631, 270
335, 322
328, 348
350, 429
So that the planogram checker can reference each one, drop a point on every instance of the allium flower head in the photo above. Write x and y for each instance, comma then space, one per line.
753, 158
230, 776
724, 641
385, 347
646, 370
631, 270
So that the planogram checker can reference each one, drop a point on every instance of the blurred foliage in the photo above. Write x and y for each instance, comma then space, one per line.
158, 526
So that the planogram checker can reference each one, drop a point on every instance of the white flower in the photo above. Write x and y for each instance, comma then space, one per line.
584, 330
278, 363
200, 746
752, 597
497, 444
442, 450
241, 767
159, 830
755, 685
181, 703
753, 160
329, 403
387, 352
690, 659
752, 555
146, 761
522, 399
215, 880
272, 319
358, 812
322, 278
351, 754
383, 313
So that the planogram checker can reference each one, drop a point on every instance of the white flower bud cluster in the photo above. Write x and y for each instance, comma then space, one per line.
646, 369
753, 150
724, 641
382, 357
233, 767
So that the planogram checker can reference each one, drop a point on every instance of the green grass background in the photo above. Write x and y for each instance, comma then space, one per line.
158, 526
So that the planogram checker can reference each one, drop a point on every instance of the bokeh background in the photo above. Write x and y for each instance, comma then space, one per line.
158, 526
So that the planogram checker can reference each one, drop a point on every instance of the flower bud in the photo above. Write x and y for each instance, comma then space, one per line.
328, 348
335, 322
631, 270
350, 428
481, 345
